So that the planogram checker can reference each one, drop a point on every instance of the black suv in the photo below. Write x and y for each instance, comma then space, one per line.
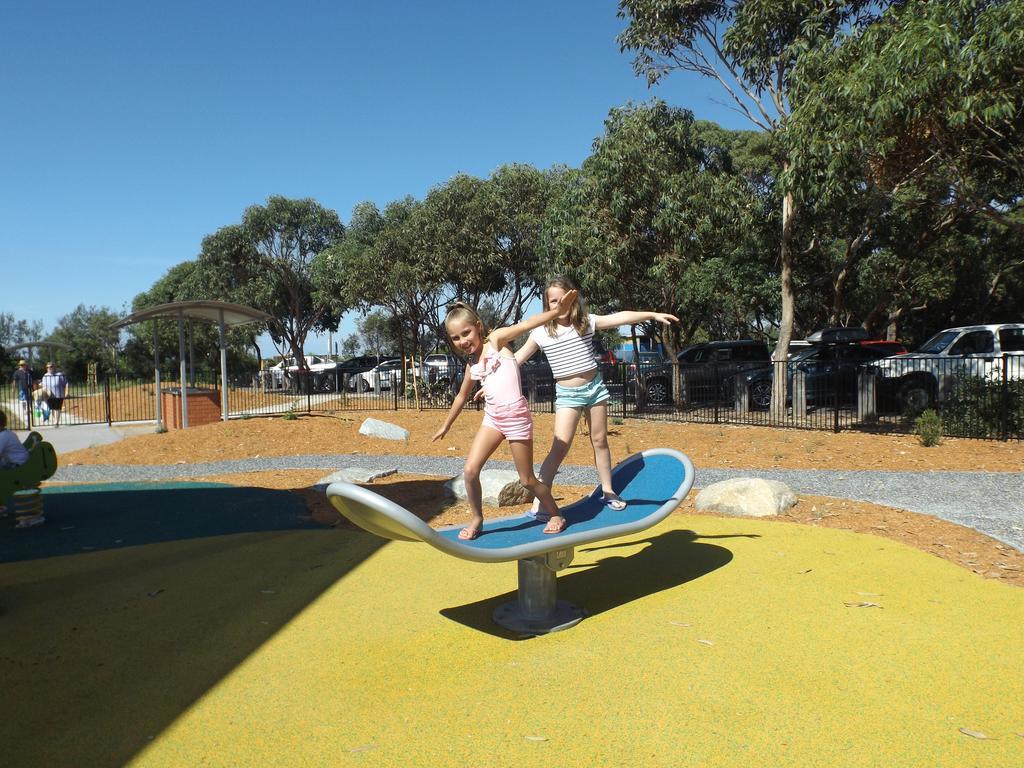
707, 371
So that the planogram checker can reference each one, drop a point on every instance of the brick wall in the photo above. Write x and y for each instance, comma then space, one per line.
203, 408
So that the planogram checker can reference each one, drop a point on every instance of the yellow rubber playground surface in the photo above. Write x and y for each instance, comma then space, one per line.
709, 642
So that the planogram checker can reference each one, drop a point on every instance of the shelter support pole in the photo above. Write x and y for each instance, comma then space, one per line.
156, 373
191, 357
181, 367
223, 369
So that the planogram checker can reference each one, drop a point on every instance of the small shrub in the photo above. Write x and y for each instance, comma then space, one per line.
290, 415
928, 428
617, 421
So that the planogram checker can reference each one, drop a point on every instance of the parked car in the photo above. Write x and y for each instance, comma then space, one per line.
827, 368
386, 374
656, 374
707, 371
536, 379
440, 368
928, 374
284, 373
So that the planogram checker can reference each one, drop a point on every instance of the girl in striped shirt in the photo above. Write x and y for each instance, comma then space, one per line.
567, 342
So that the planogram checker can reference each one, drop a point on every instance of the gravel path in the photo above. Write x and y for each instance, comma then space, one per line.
990, 502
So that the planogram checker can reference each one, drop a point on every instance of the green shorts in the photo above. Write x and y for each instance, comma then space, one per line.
593, 392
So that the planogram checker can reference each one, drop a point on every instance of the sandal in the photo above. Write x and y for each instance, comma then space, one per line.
613, 502
539, 515
555, 525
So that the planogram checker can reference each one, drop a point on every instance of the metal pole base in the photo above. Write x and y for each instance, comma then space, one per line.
536, 610
563, 616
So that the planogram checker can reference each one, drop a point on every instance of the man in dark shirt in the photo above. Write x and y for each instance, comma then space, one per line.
22, 381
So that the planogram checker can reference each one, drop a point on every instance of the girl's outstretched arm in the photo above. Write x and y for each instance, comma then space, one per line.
526, 351
457, 405
630, 317
500, 337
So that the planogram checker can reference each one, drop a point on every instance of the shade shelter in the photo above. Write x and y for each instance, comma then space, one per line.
31, 346
223, 313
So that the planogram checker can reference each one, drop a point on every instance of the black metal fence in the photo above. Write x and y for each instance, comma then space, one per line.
975, 396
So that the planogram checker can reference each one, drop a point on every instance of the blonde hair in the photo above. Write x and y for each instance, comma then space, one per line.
460, 311
577, 312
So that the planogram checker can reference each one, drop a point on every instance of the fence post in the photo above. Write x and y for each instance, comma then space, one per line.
718, 388
106, 398
799, 394
741, 395
867, 396
1004, 410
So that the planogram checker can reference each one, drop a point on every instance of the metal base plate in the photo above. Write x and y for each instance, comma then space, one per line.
564, 615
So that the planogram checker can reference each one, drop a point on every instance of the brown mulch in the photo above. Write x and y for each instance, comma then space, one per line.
710, 446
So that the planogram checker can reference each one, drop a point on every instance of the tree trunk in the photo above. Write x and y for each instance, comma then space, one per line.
781, 354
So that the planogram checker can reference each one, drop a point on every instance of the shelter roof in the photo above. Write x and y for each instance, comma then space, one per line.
234, 314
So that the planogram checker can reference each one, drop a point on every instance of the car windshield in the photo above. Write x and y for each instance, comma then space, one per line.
937, 343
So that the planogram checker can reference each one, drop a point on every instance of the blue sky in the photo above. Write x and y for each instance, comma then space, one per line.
130, 130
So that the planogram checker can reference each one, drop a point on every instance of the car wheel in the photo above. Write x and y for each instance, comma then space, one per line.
657, 391
916, 396
761, 394
362, 385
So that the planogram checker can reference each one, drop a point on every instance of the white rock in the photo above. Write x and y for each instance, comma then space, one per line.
356, 475
501, 488
747, 496
384, 429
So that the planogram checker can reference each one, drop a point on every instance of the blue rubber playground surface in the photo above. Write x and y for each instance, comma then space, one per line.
85, 518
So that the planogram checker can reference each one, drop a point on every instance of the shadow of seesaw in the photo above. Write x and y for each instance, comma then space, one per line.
669, 560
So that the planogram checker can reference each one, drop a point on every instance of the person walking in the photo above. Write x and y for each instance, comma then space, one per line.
56, 384
22, 383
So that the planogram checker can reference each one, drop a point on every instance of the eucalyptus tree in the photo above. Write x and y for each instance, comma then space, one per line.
657, 218
273, 261
921, 113
14, 331
380, 264
86, 333
187, 281
750, 48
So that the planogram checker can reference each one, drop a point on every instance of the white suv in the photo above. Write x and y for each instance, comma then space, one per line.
282, 374
383, 375
927, 375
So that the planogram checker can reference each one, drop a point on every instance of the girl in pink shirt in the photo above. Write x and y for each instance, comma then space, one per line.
506, 412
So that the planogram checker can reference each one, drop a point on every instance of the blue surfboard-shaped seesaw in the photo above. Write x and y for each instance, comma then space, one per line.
652, 483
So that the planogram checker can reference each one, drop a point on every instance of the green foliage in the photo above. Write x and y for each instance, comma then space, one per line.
86, 333
277, 261
290, 415
187, 281
12, 333
928, 428
659, 218
980, 408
